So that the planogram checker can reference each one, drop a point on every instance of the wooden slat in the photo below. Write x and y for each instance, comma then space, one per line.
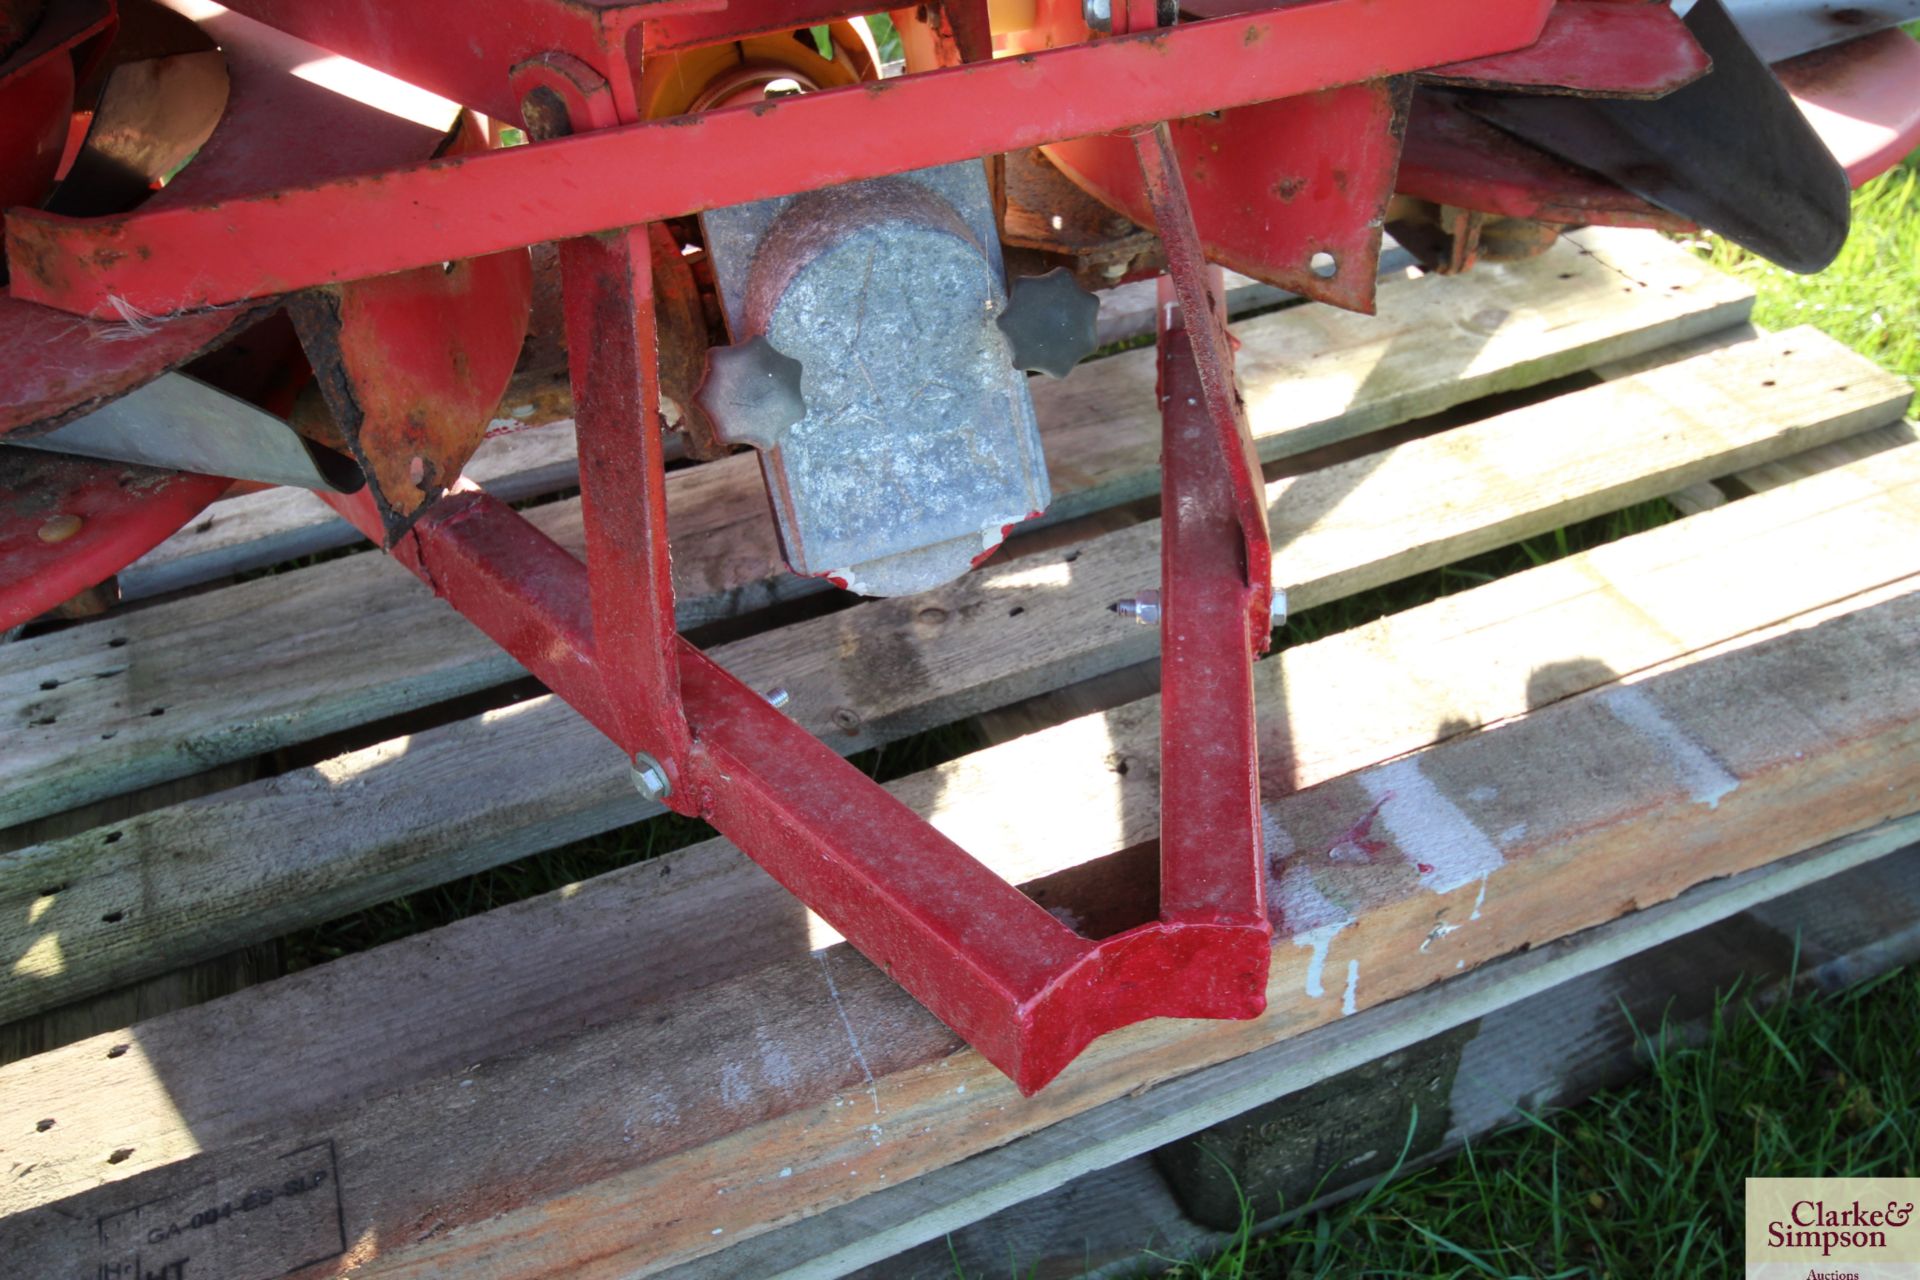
150, 996
625, 1110
169, 886
246, 669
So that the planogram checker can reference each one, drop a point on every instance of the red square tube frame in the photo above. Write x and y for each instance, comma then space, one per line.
1021, 986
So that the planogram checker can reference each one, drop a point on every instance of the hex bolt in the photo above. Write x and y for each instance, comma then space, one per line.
1099, 14
777, 697
1277, 610
1143, 608
649, 778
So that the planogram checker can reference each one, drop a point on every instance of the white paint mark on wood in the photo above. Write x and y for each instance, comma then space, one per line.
1513, 833
775, 1066
853, 1041
734, 1090
1347, 1005
1319, 939
1295, 904
1479, 899
1705, 778
1442, 843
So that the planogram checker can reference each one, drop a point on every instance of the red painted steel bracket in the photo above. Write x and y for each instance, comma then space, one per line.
1024, 989
1029, 992
1291, 192
67, 524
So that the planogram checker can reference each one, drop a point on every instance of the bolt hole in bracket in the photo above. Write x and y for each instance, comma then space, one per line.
1023, 988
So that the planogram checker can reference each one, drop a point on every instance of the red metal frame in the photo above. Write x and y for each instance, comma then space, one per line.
273, 242
1025, 989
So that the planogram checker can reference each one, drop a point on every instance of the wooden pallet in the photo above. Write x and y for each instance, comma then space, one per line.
658, 1067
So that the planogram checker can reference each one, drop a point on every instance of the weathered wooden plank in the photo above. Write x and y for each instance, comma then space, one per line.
245, 669
161, 992
172, 885
1784, 471
1553, 1048
1128, 683
1628, 795
218, 869
616, 1112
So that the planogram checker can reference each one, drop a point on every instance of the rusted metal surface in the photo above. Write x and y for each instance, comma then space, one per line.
680, 307
1610, 48
413, 364
1454, 158
68, 524
1450, 240
1291, 192
181, 256
1045, 212
151, 117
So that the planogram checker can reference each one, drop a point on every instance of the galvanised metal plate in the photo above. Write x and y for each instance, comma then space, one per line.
918, 446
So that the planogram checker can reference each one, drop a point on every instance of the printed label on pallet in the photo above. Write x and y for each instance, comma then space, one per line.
275, 1215
1833, 1229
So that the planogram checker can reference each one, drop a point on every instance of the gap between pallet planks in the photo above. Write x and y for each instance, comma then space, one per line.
194, 682
200, 878
179, 1062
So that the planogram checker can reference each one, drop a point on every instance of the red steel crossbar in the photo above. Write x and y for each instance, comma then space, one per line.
176, 259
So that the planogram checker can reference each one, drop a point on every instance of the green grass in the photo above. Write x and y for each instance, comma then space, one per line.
1870, 298
1644, 1181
